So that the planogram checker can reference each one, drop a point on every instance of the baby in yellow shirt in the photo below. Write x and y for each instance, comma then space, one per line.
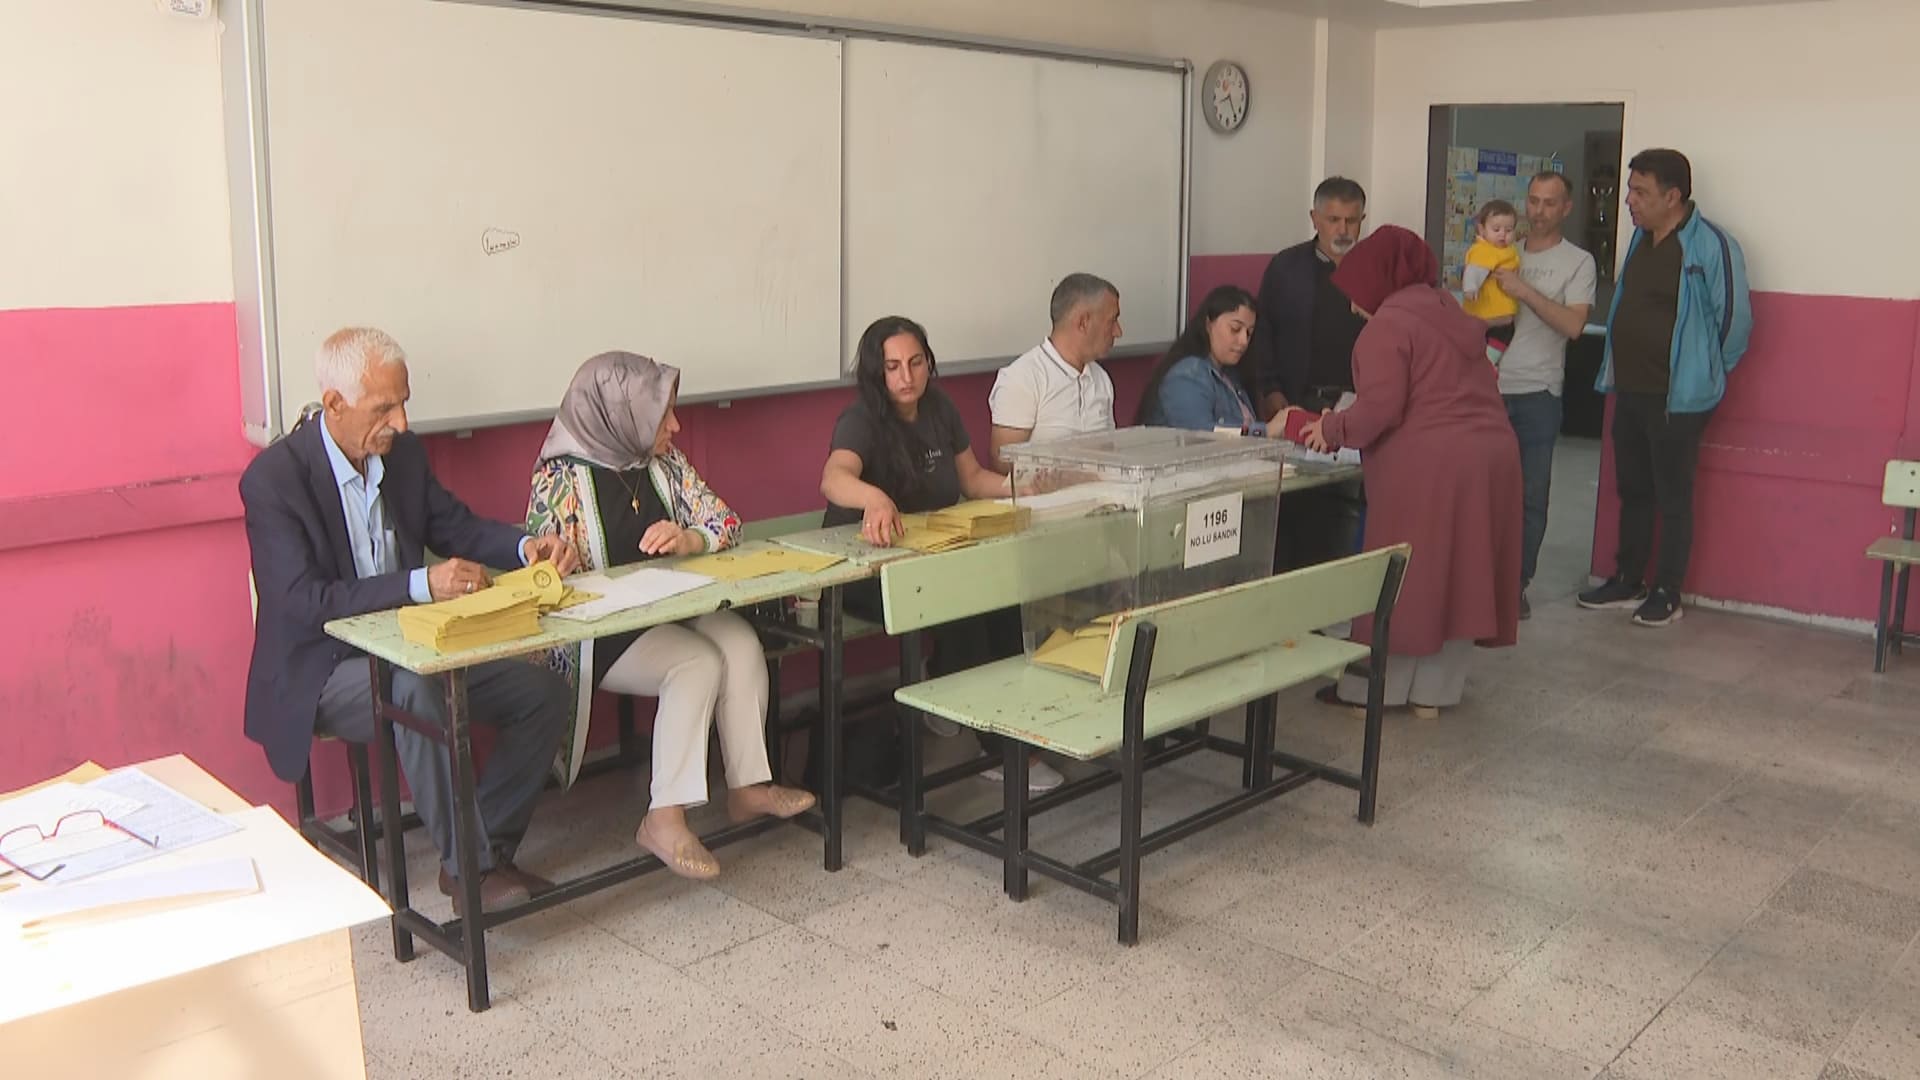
1493, 249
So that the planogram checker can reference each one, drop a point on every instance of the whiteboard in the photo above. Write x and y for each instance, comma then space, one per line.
976, 180
510, 191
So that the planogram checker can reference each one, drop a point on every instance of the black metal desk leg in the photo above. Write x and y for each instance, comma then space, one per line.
1014, 831
1898, 631
913, 822
832, 742
390, 830
1133, 742
1370, 750
1267, 709
1884, 628
466, 842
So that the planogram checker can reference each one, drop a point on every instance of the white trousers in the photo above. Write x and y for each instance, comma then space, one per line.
706, 671
1439, 680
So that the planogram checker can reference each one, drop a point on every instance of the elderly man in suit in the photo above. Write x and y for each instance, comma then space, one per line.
340, 514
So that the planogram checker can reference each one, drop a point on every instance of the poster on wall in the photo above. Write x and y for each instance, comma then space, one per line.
1475, 177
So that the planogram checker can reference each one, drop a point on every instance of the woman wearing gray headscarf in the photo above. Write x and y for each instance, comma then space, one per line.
611, 481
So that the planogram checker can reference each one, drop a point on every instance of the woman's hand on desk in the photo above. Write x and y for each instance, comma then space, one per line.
667, 538
880, 525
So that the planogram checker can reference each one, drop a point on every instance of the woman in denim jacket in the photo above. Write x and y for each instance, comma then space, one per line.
1195, 386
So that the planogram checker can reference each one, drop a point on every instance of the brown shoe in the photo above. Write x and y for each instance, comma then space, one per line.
533, 883
497, 891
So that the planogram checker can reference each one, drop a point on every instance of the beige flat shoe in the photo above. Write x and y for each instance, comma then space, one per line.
745, 804
686, 856
1426, 712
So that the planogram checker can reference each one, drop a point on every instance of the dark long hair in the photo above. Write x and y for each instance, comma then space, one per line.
902, 450
1194, 341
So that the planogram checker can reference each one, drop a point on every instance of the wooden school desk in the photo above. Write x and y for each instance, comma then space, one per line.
290, 1012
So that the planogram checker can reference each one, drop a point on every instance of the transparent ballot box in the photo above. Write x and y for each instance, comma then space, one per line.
1139, 516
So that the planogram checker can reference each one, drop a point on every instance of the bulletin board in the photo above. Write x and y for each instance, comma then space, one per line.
1476, 176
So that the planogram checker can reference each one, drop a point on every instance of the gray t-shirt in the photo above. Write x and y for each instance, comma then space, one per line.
1537, 358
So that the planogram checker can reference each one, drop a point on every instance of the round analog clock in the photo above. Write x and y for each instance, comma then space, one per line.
1223, 97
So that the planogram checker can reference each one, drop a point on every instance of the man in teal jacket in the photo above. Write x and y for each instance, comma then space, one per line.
1681, 319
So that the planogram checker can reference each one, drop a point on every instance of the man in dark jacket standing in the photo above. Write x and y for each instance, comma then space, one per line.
1302, 355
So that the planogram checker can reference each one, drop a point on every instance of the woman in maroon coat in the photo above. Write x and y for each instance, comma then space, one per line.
1442, 469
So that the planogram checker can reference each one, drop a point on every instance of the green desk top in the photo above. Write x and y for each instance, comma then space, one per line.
844, 542
1070, 715
379, 632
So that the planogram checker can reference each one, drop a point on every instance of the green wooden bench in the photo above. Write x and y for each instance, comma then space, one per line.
1897, 556
1169, 668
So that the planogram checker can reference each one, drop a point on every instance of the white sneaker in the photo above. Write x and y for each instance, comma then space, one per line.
1041, 777
940, 725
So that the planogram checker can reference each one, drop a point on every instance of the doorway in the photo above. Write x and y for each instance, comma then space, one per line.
1478, 152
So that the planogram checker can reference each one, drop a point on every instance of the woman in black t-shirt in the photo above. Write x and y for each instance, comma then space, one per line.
611, 481
902, 448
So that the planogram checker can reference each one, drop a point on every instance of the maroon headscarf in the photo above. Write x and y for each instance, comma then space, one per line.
1384, 263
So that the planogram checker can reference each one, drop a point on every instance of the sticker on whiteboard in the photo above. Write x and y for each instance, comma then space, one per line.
1213, 529
495, 241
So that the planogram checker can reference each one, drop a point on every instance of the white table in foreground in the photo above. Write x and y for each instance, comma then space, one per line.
289, 1012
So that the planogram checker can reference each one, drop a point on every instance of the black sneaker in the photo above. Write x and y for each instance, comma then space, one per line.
1661, 609
1614, 594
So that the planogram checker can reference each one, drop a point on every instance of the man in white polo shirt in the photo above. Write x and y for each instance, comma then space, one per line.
1058, 388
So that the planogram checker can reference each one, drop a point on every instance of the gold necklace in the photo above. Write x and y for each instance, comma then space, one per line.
633, 490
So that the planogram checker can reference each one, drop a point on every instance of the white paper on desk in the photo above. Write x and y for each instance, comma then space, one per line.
303, 894
1346, 456
626, 592
138, 803
120, 895
44, 809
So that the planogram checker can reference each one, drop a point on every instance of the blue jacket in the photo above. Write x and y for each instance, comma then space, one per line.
1196, 395
1714, 323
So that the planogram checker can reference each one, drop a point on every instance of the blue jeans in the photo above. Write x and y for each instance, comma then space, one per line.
1536, 423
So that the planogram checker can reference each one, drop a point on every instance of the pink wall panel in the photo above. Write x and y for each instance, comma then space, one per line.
1791, 469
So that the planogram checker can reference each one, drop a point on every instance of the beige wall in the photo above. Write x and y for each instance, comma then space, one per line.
113, 185
112, 165
1797, 118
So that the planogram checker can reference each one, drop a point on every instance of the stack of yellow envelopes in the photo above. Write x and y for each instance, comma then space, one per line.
980, 519
918, 535
487, 617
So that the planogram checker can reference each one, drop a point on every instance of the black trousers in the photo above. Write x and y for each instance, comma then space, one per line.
1655, 456
1318, 525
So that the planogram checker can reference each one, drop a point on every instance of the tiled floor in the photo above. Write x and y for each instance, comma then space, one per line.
1632, 854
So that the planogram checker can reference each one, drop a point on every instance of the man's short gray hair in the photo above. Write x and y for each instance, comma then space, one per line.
1076, 290
347, 355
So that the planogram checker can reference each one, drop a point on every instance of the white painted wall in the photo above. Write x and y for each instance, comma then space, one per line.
1348, 140
113, 187
112, 164
1796, 117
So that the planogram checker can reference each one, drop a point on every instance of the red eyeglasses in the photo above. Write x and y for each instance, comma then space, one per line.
17, 844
